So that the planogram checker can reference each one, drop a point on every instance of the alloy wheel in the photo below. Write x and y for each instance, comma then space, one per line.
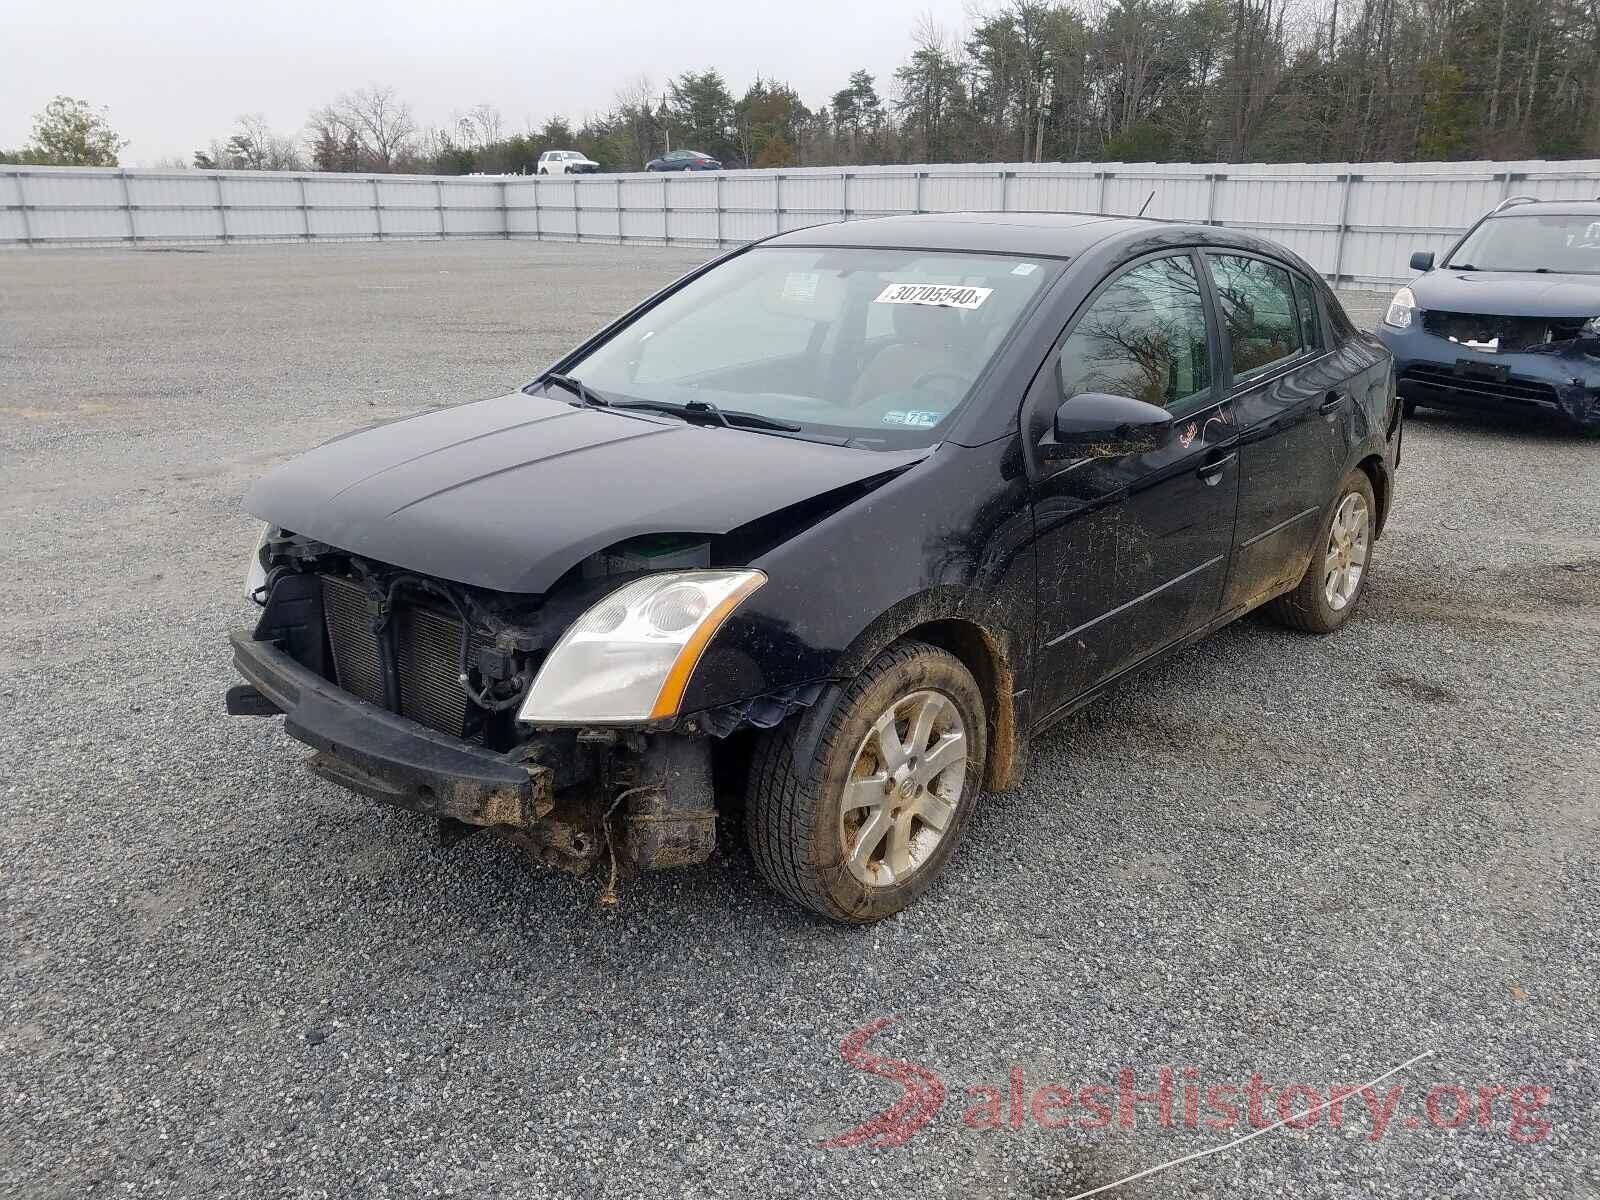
1346, 559
904, 787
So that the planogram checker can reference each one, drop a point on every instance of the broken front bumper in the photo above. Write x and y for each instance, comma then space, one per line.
1561, 380
387, 757
657, 786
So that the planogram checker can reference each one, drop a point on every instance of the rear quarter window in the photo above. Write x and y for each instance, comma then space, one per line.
1310, 321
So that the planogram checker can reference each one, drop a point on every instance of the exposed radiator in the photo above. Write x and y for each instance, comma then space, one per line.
428, 655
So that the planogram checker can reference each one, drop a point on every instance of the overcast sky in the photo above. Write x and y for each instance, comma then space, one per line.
175, 73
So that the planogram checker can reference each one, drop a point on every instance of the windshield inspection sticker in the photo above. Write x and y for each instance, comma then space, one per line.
1024, 268
922, 418
940, 295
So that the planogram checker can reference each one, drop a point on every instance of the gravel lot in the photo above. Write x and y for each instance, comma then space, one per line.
1305, 858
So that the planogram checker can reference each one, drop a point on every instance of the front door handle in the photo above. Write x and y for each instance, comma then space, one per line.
1213, 468
1334, 400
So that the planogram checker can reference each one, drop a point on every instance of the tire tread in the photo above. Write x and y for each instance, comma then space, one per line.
782, 795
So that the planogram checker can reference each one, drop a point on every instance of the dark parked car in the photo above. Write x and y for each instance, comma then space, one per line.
839, 521
1510, 319
683, 160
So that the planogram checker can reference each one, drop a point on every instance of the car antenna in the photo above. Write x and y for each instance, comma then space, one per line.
1147, 200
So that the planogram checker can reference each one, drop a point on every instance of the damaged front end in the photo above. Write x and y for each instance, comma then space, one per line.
411, 691
1473, 360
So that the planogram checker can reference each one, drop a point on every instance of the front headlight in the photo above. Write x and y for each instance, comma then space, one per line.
629, 658
1401, 309
255, 575
1591, 328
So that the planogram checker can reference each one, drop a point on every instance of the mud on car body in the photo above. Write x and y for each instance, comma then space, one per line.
1509, 320
830, 527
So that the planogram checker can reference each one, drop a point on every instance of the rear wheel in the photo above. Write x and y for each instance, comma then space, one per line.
860, 828
1337, 574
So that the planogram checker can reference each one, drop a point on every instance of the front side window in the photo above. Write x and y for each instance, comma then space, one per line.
1569, 244
877, 347
1145, 337
1258, 309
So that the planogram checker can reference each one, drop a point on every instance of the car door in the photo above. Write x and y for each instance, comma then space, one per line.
1291, 402
1133, 549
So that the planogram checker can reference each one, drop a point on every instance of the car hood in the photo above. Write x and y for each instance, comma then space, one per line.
510, 493
1509, 293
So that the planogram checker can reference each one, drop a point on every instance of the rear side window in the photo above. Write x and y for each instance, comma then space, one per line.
1145, 337
1259, 311
1310, 325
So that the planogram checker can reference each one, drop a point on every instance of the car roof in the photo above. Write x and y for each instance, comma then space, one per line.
1055, 234
1553, 208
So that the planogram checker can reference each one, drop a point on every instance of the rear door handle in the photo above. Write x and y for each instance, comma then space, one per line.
1334, 400
1212, 470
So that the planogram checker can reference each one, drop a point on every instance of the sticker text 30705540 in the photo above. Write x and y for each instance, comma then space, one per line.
941, 295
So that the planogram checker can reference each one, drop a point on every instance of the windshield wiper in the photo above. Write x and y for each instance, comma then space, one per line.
1462, 267
587, 396
730, 417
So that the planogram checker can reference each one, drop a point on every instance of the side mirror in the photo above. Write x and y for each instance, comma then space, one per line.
1100, 425
1422, 260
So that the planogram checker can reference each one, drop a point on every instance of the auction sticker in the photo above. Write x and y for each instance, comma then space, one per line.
940, 295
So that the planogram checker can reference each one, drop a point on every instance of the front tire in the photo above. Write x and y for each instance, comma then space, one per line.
1337, 574
859, 829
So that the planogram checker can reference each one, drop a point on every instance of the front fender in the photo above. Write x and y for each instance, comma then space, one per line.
949, 541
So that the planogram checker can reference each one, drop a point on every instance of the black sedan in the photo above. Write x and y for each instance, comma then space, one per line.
683, 160
831, 528
1509, 321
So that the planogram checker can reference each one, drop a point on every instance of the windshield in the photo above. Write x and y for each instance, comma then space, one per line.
877, 347
1567, 243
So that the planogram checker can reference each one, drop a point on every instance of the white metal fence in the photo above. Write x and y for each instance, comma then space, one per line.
1355, 222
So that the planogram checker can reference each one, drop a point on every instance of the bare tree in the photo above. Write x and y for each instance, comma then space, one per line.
374, 119
481, 127
255, 147
635, 101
